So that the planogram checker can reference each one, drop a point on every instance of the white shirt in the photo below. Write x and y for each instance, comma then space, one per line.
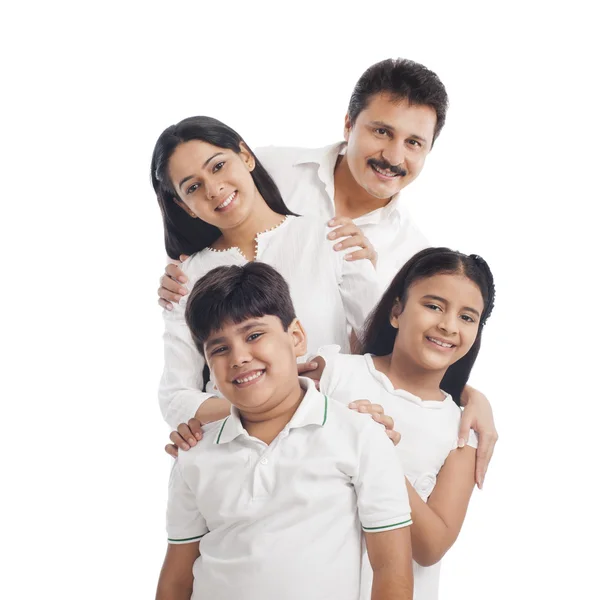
429, 430
328, 292
305, 179
283, 521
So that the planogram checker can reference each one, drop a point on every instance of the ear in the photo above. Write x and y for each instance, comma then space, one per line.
185, 207
395, 313
299, 337
247, 156
347, 127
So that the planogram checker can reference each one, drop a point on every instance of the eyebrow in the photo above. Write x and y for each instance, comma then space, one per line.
440, 299
413, 135
203, 166
242, 329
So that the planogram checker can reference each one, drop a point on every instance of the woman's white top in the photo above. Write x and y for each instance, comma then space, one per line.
429, 430
328, 292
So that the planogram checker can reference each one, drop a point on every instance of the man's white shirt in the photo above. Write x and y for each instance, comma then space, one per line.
284, 520
306, 182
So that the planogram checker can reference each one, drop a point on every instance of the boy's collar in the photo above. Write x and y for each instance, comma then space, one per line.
311, 411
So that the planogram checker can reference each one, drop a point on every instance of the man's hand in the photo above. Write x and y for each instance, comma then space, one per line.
170, 289
376, 412
187, 435
345, 227
478, 416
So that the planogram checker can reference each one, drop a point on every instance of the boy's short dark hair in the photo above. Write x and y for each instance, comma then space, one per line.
234, 294
401, 79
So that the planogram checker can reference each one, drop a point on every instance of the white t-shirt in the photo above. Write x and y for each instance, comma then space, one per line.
328, 292
429, 430
306, 182
283, 521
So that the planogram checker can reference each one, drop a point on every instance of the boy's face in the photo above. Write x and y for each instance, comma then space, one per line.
254, 362
388, 144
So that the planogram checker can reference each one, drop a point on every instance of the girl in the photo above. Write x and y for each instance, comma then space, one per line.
419, 346
203, 168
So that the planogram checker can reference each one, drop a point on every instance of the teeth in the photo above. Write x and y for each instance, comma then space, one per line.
440, 343
227, 201
249, 378
386, 173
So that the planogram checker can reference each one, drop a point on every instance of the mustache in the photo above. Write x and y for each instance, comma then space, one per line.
385, 165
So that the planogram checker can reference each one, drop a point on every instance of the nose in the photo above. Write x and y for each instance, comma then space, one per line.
449, 324
239, 355
395, 152
213, 187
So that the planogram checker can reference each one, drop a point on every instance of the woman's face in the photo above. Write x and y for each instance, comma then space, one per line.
439, 322
214, 184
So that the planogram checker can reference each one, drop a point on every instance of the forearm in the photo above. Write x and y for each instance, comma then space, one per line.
171, 590
213, 409
392, 583
430, 536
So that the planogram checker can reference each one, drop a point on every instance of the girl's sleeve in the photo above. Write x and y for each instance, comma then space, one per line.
180, 391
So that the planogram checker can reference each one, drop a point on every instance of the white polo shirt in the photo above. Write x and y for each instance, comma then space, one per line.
283, 521
329, 295
305, 179
429, 430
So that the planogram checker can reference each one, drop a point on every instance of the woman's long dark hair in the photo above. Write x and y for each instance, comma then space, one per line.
183, 233
379, 335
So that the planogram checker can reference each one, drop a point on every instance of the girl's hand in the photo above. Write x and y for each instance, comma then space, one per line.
477, 415
345, 227
376, 412
186, 436
170, 289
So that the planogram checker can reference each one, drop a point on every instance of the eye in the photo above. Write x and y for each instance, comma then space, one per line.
433, 306
192, 188
218, 166
218, 350
254, 336
414, 143
467, 318
382, 131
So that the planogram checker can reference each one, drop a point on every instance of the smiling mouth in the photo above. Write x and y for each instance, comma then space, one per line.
384, 172
227, 201
249, 378
441, 343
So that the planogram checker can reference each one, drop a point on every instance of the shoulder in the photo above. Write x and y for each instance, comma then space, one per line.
340, 417
279, 156
210, 432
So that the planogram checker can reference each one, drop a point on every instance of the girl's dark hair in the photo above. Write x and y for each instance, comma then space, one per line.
183, 233
234, 294
379, 334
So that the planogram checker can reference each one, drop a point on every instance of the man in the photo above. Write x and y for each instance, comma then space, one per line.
396, 111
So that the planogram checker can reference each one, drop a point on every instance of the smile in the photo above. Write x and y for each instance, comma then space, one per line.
227, 201
440, 343
249, 378
384, 172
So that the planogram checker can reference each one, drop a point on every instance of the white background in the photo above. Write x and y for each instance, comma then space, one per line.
87, 89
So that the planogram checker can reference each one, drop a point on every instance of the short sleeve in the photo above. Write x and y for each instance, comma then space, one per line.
380, 485
185, 524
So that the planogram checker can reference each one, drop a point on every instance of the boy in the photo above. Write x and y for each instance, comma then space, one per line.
270, 503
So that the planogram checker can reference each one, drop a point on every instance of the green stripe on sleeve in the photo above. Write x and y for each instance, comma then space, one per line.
192, 539
409, 522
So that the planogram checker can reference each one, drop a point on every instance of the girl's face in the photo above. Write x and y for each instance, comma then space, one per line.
214, 184
439, 322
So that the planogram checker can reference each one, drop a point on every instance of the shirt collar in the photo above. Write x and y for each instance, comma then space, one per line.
326, 159
312, 411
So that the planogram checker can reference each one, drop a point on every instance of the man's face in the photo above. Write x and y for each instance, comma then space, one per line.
388, 144
254, 362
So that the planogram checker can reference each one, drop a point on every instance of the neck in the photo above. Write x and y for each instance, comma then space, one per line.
352, 200
266, 426
406, 375
243, 235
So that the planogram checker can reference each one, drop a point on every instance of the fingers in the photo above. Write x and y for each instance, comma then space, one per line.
354, 241
465, 428
178, 440
485, 451
394, 436
166, 305
307, 367
338, 221
344, 231
186, 434
171, 450
385, 420
173, 271
195, 427
172, 285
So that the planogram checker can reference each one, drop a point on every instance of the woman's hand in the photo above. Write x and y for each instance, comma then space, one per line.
170, 289
187, 435
477, 415
376, 412
345, 227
